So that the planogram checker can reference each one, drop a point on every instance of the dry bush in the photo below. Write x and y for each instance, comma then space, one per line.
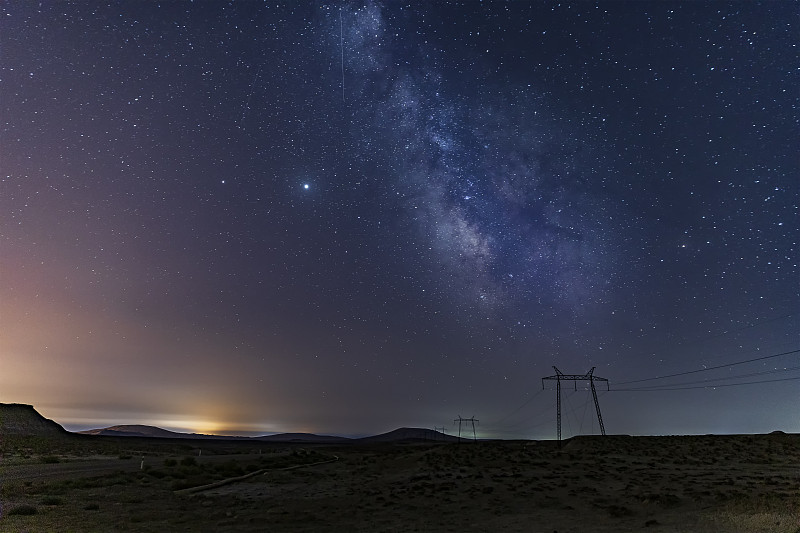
22, 510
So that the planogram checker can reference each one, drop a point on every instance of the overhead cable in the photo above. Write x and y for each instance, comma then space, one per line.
670, 388
710, 368
723, 378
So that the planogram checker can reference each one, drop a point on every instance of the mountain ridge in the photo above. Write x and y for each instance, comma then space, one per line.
23, 420
399, 434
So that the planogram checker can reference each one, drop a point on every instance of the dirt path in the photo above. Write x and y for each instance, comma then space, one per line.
78, 468
236, 479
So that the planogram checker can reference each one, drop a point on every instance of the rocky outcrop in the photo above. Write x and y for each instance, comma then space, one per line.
21, 419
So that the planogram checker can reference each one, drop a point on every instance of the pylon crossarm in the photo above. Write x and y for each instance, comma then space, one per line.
570, 377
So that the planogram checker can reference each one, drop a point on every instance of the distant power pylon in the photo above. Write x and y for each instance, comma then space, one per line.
591, 378
437, 430
472, 420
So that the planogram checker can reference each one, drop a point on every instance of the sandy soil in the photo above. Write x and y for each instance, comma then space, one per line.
603, 484
591, 484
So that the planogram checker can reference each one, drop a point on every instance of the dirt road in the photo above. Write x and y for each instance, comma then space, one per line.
98, 466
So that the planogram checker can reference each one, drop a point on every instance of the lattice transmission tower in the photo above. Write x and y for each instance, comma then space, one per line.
591, 378
472, 420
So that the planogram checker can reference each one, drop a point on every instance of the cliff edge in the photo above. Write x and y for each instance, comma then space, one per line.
22, 419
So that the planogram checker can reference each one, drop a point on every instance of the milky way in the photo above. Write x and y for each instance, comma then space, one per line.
501, 198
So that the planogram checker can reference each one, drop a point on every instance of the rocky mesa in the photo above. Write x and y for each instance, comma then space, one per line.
22, 419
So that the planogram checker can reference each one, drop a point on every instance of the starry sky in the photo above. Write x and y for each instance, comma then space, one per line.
346, 217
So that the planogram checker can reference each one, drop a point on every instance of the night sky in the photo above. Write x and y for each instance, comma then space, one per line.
249, 217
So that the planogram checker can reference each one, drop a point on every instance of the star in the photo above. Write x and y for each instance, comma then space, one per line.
482, 212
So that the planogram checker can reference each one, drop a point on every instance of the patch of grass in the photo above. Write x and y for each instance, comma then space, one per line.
52, 500
50, 459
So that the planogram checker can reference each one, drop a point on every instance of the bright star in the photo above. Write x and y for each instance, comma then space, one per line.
305, 185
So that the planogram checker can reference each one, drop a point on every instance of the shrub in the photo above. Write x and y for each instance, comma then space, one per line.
91, 507
50, 459
170, 462
51, 500
22, 510
188, 461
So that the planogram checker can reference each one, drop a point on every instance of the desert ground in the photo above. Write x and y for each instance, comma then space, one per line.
740, 483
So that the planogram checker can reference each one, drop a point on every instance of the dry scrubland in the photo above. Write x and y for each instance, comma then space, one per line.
689, 484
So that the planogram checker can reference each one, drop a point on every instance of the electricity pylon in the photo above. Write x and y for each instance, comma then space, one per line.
591, 378
473, 420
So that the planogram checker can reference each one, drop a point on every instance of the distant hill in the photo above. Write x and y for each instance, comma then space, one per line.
22, 419
410, 434
302, 437
401, 434
138, 430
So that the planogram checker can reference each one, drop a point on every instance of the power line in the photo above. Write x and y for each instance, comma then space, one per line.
515, 411
570, 412
524, 421
709, 368
676, 386
548, 420
574, 410
583, 416
724, 378
706, 386
534, 426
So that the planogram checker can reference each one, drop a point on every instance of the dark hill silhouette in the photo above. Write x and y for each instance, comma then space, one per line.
139, 430
22, 419
302, 437
401, 434
410, 434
